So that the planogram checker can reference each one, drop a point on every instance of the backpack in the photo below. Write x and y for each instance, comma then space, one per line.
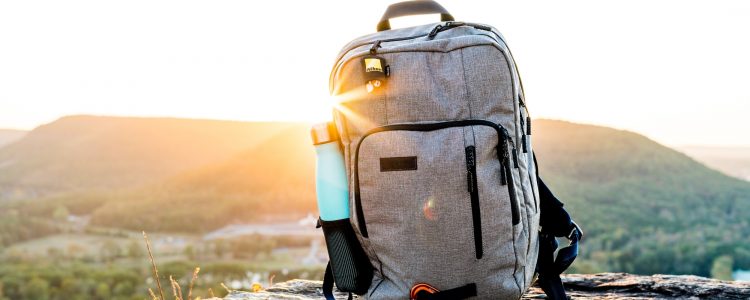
444, 188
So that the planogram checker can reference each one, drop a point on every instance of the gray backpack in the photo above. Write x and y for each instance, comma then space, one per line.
444, 195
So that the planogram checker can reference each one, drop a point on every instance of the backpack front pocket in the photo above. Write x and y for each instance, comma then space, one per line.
428, 192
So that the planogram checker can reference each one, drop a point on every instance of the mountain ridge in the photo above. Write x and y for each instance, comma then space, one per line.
95, 152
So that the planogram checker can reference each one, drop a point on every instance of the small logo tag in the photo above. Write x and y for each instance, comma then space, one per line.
375, 73
373, 65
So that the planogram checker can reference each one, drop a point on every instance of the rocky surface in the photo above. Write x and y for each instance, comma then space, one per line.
594, 286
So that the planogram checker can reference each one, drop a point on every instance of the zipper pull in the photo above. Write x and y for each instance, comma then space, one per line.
471, 165
515, 158
375, 46
503, 180
435, 31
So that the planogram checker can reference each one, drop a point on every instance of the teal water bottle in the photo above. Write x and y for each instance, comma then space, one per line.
331, 185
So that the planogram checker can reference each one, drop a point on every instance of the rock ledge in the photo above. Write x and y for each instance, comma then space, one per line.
592, 286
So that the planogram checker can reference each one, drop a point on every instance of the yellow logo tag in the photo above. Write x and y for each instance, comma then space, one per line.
373, 65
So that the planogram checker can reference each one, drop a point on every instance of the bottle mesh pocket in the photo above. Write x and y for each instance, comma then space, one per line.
352, 270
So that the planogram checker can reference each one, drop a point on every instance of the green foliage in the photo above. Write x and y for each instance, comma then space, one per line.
644, 208
722, 267
36, 288
16, 226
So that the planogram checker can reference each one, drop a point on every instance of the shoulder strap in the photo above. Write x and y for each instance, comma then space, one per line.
548, 266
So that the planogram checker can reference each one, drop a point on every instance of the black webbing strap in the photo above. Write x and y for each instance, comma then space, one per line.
556, 223
462, 292
328, 284
550, 267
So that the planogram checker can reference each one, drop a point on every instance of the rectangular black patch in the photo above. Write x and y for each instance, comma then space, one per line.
388, 164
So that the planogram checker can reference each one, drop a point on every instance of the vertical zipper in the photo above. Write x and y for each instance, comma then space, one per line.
515, 216
471, 177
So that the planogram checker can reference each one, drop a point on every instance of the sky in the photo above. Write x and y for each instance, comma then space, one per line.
675, 71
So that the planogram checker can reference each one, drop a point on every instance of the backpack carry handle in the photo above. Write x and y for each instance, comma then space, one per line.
411, 8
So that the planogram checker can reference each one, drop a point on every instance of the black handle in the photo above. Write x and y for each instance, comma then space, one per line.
411, 8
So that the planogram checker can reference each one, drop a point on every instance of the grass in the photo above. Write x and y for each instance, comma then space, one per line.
153, 264
176, 288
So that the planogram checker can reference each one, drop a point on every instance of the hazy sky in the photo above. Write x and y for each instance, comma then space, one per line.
676, 71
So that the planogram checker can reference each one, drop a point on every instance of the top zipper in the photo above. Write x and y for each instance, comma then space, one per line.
438, 28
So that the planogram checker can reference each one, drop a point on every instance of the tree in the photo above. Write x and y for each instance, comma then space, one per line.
36, 288
722, 267
123, 288
102, 291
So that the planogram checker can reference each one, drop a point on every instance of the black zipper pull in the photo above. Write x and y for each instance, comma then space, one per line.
503, 180
471, 167
435, 31
515, 158
375, 46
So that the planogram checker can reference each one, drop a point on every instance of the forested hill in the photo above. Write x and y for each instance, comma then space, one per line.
275, 177
91, 152
645, 208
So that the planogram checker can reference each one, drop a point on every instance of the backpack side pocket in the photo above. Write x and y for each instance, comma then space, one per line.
352, 271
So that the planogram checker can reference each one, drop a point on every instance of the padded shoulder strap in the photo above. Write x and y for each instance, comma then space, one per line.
557, 223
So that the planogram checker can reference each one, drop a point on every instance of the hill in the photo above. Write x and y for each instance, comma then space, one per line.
645, 208
733, 161
8, 136
276, 177
106, 153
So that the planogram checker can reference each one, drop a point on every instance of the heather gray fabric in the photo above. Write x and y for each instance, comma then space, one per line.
419, 222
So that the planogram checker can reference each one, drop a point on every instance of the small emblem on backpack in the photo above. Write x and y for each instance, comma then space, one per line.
375, 72
373, 65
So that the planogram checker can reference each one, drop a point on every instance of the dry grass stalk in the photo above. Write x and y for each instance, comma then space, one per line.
176, 286
192, 281
211, 292
153, 265
225, 287
270, 279
153, 296
174, 289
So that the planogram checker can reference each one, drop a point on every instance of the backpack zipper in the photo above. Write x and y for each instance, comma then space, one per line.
471, 177
503, 158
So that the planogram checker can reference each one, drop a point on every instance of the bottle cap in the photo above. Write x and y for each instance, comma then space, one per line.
324, 133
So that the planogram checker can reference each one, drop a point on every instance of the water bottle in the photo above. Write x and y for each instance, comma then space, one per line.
349, 266
331, 185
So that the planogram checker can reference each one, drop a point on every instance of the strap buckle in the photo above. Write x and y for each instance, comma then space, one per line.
575, 232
